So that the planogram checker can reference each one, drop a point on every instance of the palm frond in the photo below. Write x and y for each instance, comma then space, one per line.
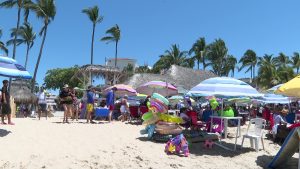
8, 3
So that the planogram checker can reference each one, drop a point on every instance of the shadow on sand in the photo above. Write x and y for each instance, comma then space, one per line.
4, 133
264, 161
134, 123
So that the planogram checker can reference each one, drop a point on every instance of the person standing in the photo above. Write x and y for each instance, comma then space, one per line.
124, 108
90, 104
5, 100
110, 102
42, 102
75, 105
66, 101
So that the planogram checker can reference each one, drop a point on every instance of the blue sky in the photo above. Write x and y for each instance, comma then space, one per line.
149, 27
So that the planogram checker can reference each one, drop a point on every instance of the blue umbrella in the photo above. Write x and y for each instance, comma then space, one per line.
10, 68
275, 99
274, 88
224, 87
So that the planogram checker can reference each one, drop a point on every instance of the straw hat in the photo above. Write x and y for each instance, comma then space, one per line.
66, 86
284, 111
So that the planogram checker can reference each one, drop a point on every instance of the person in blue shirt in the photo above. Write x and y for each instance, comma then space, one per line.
110, 102
90, 104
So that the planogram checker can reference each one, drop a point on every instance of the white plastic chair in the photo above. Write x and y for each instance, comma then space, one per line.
255, 133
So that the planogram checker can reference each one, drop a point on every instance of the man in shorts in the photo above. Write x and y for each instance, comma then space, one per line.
5, 100
90, 104
42, 103
110, 102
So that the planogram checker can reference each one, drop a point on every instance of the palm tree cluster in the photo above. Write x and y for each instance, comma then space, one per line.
44, 10
214, 55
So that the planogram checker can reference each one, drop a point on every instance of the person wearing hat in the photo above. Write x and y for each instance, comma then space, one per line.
66, 101
42, 103
279, 120
5, 100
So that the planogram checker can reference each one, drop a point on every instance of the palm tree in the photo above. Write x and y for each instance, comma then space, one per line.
216, 54
2, 45
249, 60
114, 35
27, 36
19, 5
267, 73
46, 10
93, 14
26, 8
172, 57
296, 61
198, 49
231, 62
282, 60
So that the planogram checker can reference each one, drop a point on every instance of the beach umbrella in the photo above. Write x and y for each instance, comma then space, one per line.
290, 88
274, 88
163, 88
270, 98
224, 87
122, 90
10, 68
240, 100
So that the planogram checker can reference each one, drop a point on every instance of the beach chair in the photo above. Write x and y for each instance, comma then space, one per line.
143, 110
134, 113
194, 120
255, 133
101, 112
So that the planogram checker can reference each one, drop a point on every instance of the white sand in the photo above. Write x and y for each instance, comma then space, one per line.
47, 144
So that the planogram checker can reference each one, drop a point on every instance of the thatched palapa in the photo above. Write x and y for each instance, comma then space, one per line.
21, 93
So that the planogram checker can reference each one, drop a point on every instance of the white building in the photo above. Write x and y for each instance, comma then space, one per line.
121, 62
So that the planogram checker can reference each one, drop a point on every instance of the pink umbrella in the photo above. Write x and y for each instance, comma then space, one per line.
122, 90
163, 88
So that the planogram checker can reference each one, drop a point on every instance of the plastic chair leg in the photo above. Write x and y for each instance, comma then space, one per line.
251, 142
256, 144
262, 142
242, 141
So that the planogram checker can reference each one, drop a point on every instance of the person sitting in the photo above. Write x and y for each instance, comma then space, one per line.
124, 109
279, 130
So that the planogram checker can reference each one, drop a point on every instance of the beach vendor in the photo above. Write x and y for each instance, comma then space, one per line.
90, 104
110, 102
5, 100
66, 101
42, 103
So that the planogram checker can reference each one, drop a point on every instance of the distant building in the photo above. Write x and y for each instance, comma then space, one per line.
121, 62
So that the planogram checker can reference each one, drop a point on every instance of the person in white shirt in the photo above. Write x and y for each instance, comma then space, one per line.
42, 103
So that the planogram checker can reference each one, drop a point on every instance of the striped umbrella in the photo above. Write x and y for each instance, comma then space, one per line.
224, 87
10, 68
274, 99
163, 88
122, 90
274, 88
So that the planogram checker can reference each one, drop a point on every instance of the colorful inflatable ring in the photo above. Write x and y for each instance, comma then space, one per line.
165, 123
161, 98
165, 107
170, 118
173, 131
167, 127
158, 107
147, 116
151, 121
228, 113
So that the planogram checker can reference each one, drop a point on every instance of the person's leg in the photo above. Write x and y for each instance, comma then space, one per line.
76, 113
69, 112
9, 115
39, 111
65, 112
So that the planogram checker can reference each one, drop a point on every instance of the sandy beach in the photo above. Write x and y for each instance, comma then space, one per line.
50, 144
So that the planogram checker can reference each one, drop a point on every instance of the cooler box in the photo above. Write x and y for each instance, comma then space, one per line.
101, 112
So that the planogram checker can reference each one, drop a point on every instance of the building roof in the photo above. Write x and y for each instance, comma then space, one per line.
176, 75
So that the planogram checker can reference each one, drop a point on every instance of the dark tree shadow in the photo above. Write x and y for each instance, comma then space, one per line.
134, 122
264, 161
4, 133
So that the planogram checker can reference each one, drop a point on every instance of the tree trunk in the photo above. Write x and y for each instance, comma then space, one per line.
26, 60
297, 70
15, 38
39, 59
92, 53
251, 74
116, 57
198, 63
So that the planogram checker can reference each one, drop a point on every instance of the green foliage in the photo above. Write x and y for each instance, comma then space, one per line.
173, 57
216, 54
143, 69
296, 61
249, 61
93, 14
198, 49
57, 78
2, 45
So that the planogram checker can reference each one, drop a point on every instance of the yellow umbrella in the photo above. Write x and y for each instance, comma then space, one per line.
290, 88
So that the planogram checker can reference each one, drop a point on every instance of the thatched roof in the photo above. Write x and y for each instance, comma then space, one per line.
21, 93
176, 75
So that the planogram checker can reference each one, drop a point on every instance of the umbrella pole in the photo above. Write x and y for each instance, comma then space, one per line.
222, 108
